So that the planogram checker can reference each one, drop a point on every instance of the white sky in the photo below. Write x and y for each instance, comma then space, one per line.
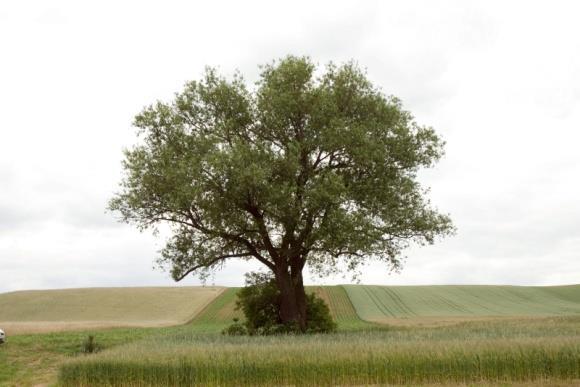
500, 81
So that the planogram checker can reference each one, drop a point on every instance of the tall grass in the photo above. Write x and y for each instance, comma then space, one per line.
517, 351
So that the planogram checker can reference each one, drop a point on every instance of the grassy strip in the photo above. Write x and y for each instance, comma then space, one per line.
469, 352
218, 314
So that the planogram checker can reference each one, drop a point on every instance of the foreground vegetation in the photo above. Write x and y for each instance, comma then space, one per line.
33, 359
494, 351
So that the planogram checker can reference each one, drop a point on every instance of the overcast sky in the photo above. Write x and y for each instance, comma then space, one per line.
499, 81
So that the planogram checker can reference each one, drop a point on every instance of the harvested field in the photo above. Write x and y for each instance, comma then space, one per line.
91, 308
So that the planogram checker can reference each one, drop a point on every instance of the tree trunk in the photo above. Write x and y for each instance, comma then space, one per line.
300, 295
292, 297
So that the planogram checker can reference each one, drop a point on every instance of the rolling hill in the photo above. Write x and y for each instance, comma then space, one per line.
211, 309
221, 312
391, 303
67, 309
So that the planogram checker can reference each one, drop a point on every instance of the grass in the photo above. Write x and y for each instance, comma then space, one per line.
219, 314
392, 303
519, 350
92, 308
32, 359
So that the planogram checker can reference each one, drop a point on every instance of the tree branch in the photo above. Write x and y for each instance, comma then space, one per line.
213, 261
263, 231
232, 237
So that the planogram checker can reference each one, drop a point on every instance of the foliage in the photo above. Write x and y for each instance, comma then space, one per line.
318, 319
308, 168
235, 329
89, 345
260, 303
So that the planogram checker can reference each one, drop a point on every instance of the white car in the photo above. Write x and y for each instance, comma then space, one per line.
2, 336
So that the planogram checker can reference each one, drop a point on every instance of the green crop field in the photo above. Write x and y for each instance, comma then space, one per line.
219, 314
340, 306
91, 308
392, 303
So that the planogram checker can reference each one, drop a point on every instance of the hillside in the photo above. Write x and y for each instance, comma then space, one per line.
390, 303
426, 349
54, 310
221, 312
213, 308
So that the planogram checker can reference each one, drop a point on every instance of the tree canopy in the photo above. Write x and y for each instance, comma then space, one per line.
309, 166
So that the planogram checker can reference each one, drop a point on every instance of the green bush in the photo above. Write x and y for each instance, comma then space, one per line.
89, 345
318, 318
259, 300
236, 329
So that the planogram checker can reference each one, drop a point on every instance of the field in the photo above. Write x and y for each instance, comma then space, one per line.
447, 335
449, 304
34, 359
471, 352
93, 308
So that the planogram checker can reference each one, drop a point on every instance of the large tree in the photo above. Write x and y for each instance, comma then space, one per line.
310, 167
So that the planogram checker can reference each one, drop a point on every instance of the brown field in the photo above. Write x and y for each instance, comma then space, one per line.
27, 327
91, 308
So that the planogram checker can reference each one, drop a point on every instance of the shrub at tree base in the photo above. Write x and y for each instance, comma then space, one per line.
89, 345
260, 302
